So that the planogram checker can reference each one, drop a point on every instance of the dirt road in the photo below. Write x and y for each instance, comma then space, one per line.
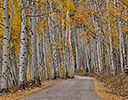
81, 88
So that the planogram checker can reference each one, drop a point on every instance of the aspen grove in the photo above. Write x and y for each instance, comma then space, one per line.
49, 39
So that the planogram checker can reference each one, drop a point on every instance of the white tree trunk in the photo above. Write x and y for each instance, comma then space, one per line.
45, 57
5, 62
98, 54
95, 57
122, 48
87, 57
33, 41
38, 68
111, 55
22, 46
72, 65
49, 34
76, 48
53, 39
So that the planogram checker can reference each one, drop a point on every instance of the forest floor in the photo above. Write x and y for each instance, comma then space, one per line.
106, 93
108, 87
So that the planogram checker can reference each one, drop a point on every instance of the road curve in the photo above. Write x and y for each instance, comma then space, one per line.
81, 88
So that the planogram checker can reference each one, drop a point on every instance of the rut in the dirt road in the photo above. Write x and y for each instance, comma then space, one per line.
81, 88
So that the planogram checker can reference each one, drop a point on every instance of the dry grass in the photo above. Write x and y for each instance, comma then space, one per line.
105, 93
27, 91
117, 84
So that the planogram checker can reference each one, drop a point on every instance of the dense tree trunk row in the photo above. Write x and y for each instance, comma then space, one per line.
105, 35
45, 47
56, 37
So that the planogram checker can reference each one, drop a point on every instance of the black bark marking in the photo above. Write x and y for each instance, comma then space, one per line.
8, 16
7, 27
5, 38
5, 55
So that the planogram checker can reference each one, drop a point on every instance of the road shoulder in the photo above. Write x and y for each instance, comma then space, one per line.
104, 92
28, 91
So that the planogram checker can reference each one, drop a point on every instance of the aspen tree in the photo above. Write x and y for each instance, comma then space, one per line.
122, 49
4, 79
38, 68
22, 66
45, 57
71, 73
33, 41
49, 35
53, 39
76, 48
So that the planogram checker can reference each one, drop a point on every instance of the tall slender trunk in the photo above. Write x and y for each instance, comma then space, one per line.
53, 39
4, 79
111, 52
112, 67
95, 57
53, 71
33, 41
76, 48
98, 54
38, 67
72, 65
49, 35
64, 43
87, 58
122, 48
45, 58
22, 46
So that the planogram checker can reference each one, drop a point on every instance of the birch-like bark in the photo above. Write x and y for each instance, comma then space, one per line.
53, 39
64, 43
112, 67
49, 35
22, 46
98, 54
33, 41
122, 48
112, 60
92, 58
38, 68
5, 62
28, 65
72, 65
87, 57
95, 56
111, 52
76, 48
45, 57
66, 48
50, 46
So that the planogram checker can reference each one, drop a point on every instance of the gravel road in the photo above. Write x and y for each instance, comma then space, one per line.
81, 88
